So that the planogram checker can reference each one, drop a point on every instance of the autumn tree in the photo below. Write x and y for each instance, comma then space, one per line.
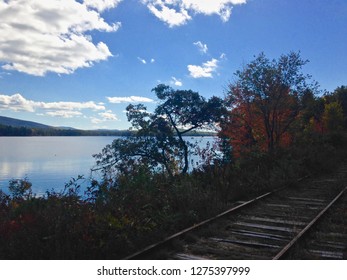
333, 119
158, 142
326, 113
264, 103
312, 106
339, 95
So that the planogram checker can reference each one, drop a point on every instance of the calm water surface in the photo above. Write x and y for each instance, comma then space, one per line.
50, 162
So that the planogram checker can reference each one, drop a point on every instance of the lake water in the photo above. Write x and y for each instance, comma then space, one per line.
50, 162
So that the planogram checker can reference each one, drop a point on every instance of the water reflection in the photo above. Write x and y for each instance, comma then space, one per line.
15, 170
50, 162
47, 162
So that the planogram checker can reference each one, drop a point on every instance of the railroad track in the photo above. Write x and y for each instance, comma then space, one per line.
270, 226
328, 237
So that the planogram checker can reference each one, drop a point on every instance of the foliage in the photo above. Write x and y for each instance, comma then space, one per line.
324, 114
265, 103
333, 118
279, 131
158, 137
339, 95
108, 222
20, 188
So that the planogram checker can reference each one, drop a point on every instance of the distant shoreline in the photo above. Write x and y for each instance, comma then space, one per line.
10, 131
10, 127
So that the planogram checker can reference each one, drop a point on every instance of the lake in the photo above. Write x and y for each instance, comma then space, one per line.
50, 162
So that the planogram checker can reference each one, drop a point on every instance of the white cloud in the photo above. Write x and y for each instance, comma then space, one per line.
129, 99
204, 71
176, 82
202, 47
105, 116
223, 56
179, 12
168, 11
64, 114
96, 120
71, 105
143, 61
221, 8
102, 5
17, 102
51, 35
109, 116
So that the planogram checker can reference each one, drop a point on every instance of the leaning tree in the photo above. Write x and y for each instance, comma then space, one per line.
158, 139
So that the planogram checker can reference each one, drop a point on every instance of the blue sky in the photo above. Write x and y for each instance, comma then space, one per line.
80, 63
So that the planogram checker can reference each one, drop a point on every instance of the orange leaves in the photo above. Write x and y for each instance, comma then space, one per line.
265, 103
251, 129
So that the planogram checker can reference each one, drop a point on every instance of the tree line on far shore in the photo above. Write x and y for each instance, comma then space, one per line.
8, 130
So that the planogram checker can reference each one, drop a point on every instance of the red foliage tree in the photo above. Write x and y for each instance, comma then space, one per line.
264, 104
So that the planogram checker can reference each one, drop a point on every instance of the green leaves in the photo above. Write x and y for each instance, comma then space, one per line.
157, 141
20, 188
265, 102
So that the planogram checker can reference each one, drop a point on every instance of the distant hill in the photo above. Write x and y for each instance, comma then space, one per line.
21, 123
16, 127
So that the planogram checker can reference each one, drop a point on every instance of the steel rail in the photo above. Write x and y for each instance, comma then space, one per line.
149, 248
309, 225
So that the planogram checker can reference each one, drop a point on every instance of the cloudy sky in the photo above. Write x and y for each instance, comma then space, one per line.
79, 63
